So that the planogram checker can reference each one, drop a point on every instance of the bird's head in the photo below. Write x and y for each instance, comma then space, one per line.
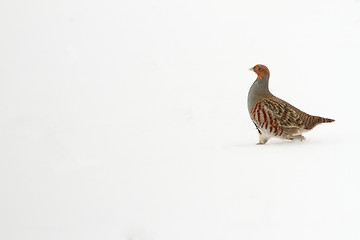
261, 71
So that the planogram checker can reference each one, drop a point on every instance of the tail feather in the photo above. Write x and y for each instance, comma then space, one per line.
325, 120
315, 120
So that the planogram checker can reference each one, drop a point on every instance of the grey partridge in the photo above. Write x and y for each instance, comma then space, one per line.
274, 117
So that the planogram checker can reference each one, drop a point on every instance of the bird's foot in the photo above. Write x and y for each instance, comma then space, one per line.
297, 137
262, 139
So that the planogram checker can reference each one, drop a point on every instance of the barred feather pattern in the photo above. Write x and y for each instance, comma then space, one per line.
275, 117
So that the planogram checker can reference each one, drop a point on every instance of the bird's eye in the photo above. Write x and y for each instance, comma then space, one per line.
259, 69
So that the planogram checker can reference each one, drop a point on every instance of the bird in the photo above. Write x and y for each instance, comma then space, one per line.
274, 117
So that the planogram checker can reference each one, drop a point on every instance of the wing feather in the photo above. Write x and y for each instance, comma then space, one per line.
287, 115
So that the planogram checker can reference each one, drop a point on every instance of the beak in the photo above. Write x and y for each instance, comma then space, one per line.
251, 69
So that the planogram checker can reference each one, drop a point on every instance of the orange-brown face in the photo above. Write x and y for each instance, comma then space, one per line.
261, 71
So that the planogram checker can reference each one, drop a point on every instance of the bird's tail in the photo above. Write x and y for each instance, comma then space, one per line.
324, 120
315, 120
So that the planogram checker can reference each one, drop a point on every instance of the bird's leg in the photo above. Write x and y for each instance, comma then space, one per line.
297, 137
262, 139
300, 137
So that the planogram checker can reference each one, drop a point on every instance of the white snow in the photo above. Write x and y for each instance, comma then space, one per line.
128, 120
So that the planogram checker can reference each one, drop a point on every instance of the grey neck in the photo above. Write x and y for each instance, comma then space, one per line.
259, 90
261, 87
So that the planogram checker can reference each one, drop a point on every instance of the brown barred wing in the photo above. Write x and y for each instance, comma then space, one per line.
290, 118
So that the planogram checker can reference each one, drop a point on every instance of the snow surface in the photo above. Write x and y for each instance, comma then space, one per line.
128, 120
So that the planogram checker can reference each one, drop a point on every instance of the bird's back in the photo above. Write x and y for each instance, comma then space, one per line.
292, 117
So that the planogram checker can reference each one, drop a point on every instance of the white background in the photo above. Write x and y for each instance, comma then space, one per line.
128, 120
